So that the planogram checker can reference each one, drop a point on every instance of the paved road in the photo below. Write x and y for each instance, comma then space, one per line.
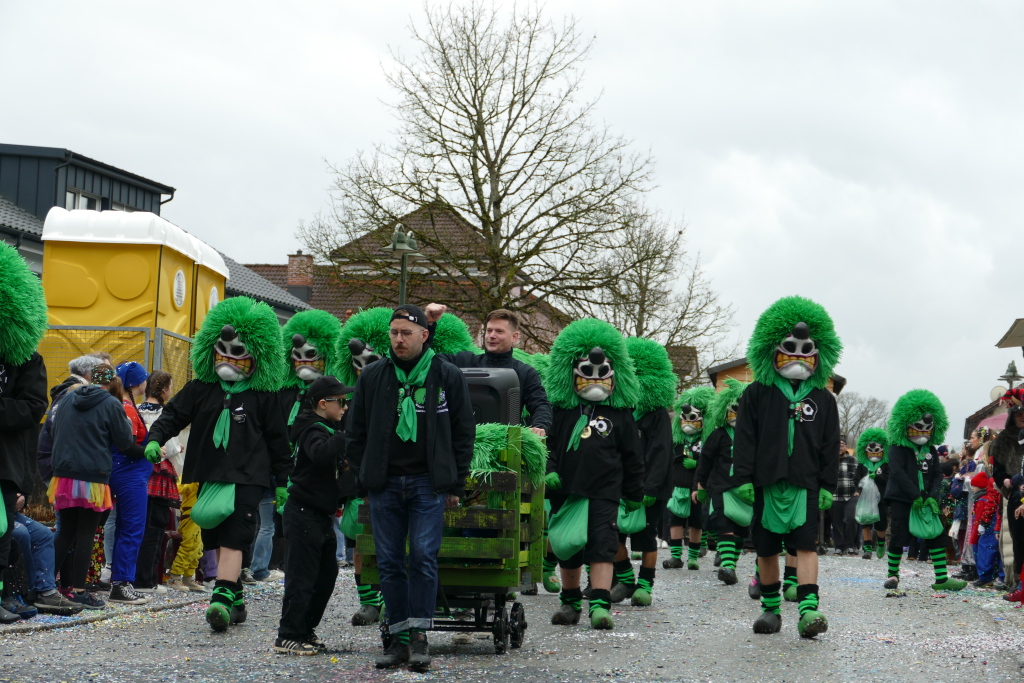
697, 630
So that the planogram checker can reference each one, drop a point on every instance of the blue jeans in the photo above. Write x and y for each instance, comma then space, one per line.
36, 542
264, 545
408, 508
128, 481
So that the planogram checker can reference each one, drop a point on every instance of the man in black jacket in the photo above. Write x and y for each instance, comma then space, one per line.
410, 434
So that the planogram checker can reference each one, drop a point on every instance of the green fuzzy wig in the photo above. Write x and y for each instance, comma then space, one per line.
257, 327
908, 409
654, 372
371, 326
699, 397
776, 323
321, 329
575, 342
720, 406
491, 439
23, 316
537, 361
452, 336
878, 435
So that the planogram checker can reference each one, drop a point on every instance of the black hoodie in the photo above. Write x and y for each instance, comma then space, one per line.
319, 462
84, 438
531, 391
22, 404
1006, 453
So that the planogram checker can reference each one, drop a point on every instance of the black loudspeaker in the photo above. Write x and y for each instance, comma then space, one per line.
494, 393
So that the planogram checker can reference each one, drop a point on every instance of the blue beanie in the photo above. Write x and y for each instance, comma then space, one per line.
132, 374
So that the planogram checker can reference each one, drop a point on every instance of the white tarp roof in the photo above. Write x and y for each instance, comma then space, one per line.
1014, 336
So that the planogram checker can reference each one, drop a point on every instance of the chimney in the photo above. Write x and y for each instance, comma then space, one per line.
300, 276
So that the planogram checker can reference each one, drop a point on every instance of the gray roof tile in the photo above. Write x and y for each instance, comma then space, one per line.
246, 282
14, 217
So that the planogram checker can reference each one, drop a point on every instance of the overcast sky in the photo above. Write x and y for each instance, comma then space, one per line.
869, 155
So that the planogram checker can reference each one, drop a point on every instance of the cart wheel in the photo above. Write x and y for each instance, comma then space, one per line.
517, 625
500, 631
385, 628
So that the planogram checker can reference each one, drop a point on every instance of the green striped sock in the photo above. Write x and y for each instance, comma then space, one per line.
675, 546
807, 594
572, 597
646, 579
550, 562
727, 548
403, 637
368, 596
771, 598
789, 577
704, 540
880, 545
713, 538
239, 596
692, 551
624, 572
939, 564
894, 561
600, 599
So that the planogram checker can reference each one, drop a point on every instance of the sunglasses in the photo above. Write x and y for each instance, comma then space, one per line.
342, 401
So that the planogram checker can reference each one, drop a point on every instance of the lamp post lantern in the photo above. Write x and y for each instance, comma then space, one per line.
405, 246
1011, 375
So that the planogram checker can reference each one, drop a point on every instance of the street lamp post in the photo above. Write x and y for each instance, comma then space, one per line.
404, 245
1011, 375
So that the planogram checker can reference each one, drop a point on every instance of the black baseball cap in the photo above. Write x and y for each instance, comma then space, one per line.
325, 387
412, 313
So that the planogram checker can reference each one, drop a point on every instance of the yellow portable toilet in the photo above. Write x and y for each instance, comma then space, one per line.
208, 280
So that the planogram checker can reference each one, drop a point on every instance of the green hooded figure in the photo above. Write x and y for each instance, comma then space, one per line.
873, 473
691, 411
917, 424
310, 340
238, 440
595, 460
786, 449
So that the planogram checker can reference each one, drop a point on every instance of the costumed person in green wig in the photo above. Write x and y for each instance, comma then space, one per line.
716, 479
657, 388
873, 471
239, 437
595, 458
786, 450
23, 399
310, 340
916, 425
691, 410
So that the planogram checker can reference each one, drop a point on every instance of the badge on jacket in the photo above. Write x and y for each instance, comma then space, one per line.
238, 414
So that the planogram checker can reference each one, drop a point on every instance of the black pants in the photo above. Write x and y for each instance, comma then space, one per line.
10, 496
147, 571
77, 530
844, 526
310, 570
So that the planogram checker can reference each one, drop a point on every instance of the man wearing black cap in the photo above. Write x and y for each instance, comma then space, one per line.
313, 497
410, 434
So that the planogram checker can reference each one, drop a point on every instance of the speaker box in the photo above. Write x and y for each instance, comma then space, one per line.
494, 393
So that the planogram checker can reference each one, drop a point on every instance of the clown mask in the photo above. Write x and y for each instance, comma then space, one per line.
874, 451
362, 354
797, 356
231, 358
730, 414
593, 376
691, 420
306, 360
920, 432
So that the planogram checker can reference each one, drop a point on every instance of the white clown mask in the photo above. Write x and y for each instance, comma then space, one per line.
691, 419
730, 414
306, 360
874, 451
796, 357
362, 354
593, 376
920, 433
231, 358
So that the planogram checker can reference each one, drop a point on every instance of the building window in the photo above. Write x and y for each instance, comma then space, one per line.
118, 206
76, 199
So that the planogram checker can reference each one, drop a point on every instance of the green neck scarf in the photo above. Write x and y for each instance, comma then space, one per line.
637, 413
922, 451
295, 408
872, 467
795, 396
410, 381
690, 439
577, 429
222, 430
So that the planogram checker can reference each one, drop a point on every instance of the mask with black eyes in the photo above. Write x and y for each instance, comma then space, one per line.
691, 419
231, 358
730, 414
796, 356
920, 431
593, 376
874, 451
306, 360
362, 354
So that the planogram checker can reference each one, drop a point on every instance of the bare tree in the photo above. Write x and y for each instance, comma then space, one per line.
492, 125
857, 413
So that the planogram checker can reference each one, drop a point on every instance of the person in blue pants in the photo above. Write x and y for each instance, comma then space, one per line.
264, 545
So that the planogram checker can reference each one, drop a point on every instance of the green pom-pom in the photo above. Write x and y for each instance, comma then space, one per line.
776, 323
654, 373
23, 315
908, 409
452, 335
257, 326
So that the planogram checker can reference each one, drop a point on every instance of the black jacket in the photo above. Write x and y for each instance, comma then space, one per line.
1006, 455
319, 462
58, 391
903, 485
449, 426
608, 464
761, 439
22, 405
656, 445
258, 445
714, 469
88, 426
881, 477
681, 476
531, 391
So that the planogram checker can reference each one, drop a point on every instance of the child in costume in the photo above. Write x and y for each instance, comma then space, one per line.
983, 537
716, 477
657, 389
238, 440
872, 445
310, 567
595, 454
917, 423
786, 449
23, 398
687, 435
310, 340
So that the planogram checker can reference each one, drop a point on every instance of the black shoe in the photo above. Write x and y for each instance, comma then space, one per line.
672, 563
892, 583
419, 652
622, 591
586, 592
768, 622
718, 559
239, 614
397, 654
287, 646
754, 589
126, 594
565, 616
314, 640
55, 603
867, 555
14, 604
366, 615
7, 617
703, 552
727, 576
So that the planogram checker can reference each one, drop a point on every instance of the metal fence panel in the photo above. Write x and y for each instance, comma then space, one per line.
64, 343
171, 354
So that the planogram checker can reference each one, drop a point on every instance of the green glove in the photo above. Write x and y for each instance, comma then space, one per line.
649, 501
552, 481
933, 504
689, 463
824, 499
631, 505
280, 497
745, 492
153, 452
702, 496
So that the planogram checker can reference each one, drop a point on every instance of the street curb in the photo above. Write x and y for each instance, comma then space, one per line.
106, 614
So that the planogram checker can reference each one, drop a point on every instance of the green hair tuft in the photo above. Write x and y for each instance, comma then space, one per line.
321, 329
700, 398
720, 406
654, 373
451, 335
23, 315
257, 327
371, 326
867, 436
908, 409
777, 322
574, 343
491, 439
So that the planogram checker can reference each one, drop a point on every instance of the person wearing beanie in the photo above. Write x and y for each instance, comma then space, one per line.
984, 534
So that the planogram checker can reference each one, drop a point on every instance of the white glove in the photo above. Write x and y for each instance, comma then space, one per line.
981, 529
